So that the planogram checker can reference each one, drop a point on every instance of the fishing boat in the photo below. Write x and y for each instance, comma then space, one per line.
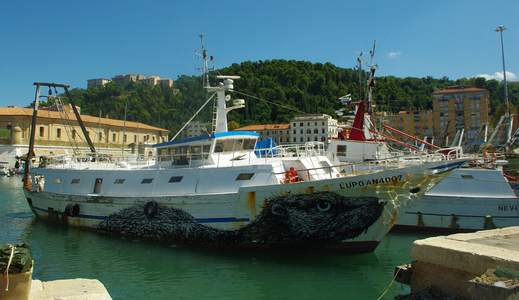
219, 191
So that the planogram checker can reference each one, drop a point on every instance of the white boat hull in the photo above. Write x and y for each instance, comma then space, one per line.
239, 211
466, 200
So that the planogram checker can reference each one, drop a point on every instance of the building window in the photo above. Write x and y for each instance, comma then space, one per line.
301, 124
147, 181
124, 138
316, 131
58, 133
244, 176
174, 179
42, 131
135, 138
114, 137
322, 130
119, 181
315, 124
294, 140
100, 136
301, 139
74, 134
323, 123
309, 131
294, 131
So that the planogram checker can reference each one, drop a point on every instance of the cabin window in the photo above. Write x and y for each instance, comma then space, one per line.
244, 176
42, 131
147, 181
341, 150
465, 176
119, 181
58, 133
74, 181
175, 179
57, 180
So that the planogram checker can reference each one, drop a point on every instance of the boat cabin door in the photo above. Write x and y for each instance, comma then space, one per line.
97, 185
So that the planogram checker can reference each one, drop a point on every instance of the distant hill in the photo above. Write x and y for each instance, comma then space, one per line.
298, 86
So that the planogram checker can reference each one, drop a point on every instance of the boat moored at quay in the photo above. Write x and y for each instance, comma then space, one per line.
218, 191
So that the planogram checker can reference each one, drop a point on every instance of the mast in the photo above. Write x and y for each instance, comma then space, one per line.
27, 184
371, 79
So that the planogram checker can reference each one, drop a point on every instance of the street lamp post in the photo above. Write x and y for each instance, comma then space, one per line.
500, 29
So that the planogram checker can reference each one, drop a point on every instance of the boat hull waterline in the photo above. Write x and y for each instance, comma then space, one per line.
347, 213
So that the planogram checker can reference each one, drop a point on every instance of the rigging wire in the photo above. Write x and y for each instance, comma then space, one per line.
273, 103
191, 119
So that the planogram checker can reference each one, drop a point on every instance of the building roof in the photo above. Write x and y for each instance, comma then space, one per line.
261, 127
49, 114
459, 89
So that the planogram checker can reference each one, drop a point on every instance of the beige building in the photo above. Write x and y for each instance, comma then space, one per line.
60, 130
97, 82
280, 133
458, 107
318, 127
418, 123
150, 80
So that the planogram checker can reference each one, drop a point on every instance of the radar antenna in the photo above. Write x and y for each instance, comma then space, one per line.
207, 60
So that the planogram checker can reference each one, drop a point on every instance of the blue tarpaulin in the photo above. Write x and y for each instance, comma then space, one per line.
264, 147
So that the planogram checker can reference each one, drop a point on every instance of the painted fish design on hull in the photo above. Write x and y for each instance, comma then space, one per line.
303, 219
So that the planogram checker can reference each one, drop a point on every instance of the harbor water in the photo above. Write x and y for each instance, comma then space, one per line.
138, 270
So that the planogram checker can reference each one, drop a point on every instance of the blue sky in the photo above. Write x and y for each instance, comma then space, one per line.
72, 41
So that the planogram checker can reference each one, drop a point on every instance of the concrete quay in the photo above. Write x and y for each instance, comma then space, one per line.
68, 289
479, 265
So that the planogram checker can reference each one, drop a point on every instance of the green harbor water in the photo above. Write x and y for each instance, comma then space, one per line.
138, 270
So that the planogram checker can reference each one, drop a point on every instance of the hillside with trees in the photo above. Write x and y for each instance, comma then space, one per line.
296, 86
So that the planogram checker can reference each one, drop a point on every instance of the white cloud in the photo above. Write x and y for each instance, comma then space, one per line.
498, 76
393, 54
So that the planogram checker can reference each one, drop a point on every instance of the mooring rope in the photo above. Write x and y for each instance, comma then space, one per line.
7, 268
384, 292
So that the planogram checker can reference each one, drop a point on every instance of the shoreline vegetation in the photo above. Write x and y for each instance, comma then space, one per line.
302, 86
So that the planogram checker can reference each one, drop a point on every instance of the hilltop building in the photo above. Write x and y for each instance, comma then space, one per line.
97, 82
127, 78
57, 132
459, 107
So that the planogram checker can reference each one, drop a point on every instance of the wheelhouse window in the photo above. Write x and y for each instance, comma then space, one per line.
341, 150
174, 179
244, 176
147, 181
234, 145
119, 181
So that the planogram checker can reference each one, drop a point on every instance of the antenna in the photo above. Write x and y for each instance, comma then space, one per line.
206, 60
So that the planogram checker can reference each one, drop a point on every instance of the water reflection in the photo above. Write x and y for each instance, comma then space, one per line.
136, 270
